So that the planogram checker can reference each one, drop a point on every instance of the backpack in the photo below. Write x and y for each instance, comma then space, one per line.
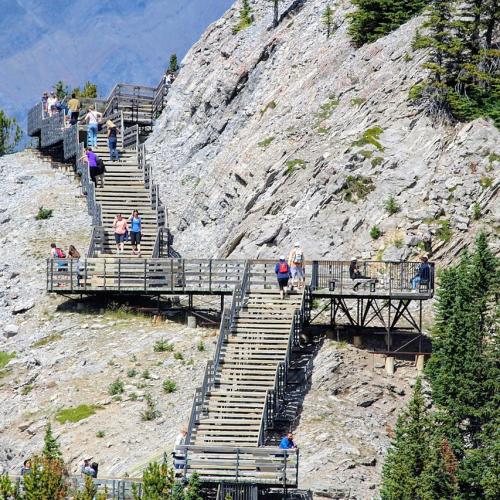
100, 165
299, 257
283, 268
60, 253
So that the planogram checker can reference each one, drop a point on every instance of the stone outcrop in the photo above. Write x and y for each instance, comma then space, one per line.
273, 135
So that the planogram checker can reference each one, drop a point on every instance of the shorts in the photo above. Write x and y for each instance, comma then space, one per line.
135, 238
119, 238
297, 272
282, 282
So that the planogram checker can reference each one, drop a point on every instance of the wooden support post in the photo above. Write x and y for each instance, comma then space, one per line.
357, 341
389, 365
419, 362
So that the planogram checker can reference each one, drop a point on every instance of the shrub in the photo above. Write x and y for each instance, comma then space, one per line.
100, 434
416, 92
486, 182
292, 165
169, 386
132, 372
377, 161
146, 375
178, 355
263, 144
370, 136
26, 390
476, 211
366, 153
116, 387
200, 346
391, 205
133, 396
398, 242
444, 232
75, 414
375, 232
357, 101
43, 213
151, 412
323, 130
245, 17
357, 188
162, 346
269, 105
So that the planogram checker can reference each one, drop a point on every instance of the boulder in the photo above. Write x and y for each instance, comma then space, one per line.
10, 330
23, 307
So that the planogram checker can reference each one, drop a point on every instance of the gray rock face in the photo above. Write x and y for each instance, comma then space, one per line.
262, 143
10, 330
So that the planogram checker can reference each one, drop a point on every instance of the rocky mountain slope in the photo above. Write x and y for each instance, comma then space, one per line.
274, 135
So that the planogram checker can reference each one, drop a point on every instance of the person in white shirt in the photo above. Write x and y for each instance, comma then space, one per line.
179, 455
92, 118
52, 104
296, 262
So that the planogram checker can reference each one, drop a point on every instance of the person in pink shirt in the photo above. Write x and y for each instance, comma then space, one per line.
120, 227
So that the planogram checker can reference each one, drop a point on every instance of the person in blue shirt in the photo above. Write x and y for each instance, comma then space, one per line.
287, 443
282, 270
423, 274
135, 232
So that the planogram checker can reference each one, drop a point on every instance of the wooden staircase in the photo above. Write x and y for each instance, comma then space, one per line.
122, 192
257, 342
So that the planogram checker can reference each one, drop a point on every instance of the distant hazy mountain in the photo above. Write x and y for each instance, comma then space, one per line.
105, 41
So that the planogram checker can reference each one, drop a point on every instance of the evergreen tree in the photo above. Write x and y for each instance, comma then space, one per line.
61, 90
89, 90
373, 19
245, 17
327, 19
7, 489
46, 480
157, 481
173, 65
193, 489
406, 458
89, 490
10, 134
51, 448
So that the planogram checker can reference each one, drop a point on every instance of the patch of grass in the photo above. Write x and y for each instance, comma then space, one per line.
133, 358
486, 182
43, 213
375, 232
146, 375
323, 130
493, 157
377, 161
416, 92
132, 372
292, 165
407, 58
178, 356
76, 413
100, 434
357, 101
341, 344
116, 387
357, 188
133, 396
5, 357
263, 144
200, 346
444, 231
169, 386
326, 109
118, 397
380, 254
49, 339
269, 105
476, 211
398, 243
370, 136
26, 390
391, 205
162, 346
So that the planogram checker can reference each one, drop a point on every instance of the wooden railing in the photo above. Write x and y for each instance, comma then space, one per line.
35, 119
266, 466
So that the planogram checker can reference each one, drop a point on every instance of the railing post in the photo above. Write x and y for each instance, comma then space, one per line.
119, 272
71, 274
145, 274
104, 274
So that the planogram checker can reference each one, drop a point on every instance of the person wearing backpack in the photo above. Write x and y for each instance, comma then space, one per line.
297, 265
282, 270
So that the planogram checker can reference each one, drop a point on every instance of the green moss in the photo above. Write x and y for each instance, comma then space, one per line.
357, 188
292, 165
370, 136
76, 413
265, 142
377, 161
357, 101
326, 109
49, 339
5, 357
